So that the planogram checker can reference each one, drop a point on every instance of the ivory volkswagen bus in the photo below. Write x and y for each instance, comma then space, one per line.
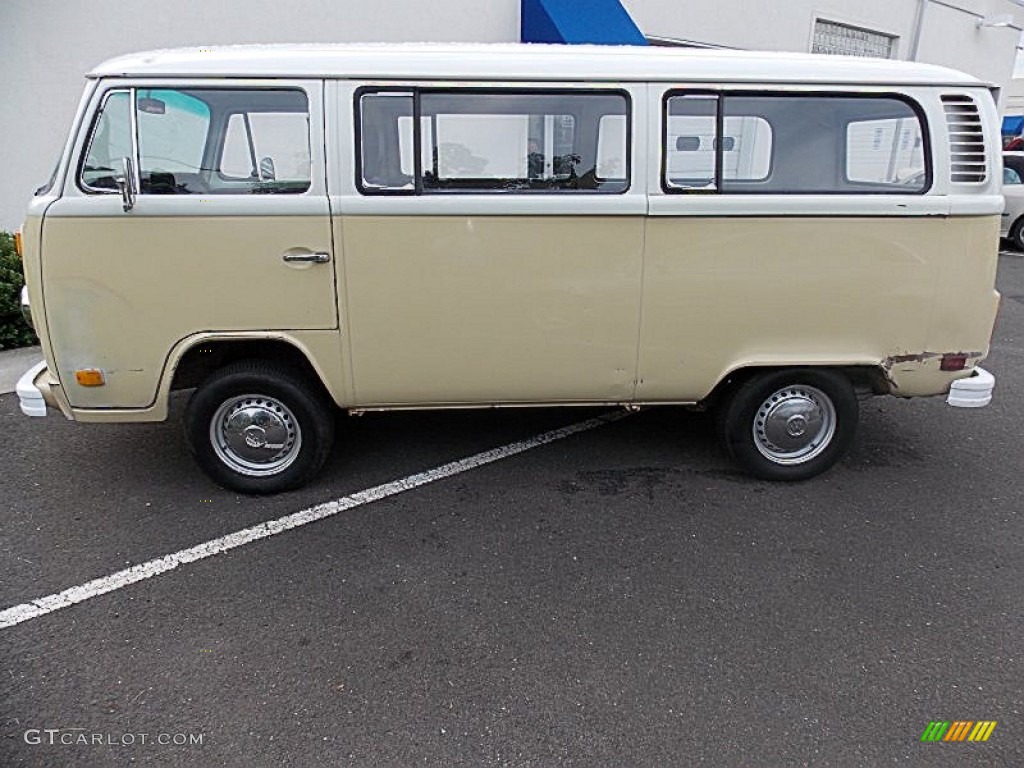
293, 229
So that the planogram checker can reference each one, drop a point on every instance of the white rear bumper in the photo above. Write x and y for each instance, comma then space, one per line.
973, 392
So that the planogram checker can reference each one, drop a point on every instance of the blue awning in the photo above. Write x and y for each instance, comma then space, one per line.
1013, 125
604, 22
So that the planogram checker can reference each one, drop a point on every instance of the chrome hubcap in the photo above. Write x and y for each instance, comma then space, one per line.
255, 435
794, 424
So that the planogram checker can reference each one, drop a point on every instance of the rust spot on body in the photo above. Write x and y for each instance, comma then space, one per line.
921, 357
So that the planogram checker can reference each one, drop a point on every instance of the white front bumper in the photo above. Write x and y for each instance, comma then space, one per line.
32, 402
973, 392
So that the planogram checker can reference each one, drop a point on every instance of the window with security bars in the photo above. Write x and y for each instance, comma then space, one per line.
844, 40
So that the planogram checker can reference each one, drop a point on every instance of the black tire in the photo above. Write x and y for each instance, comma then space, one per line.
1017, 234
274, 430
790, 424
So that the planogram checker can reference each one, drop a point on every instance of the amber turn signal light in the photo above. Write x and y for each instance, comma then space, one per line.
89, 377
17, 243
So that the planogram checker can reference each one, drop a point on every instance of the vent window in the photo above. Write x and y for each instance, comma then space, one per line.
966, 140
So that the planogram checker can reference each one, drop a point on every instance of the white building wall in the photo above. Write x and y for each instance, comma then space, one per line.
934, 31
766, 25
986, 52
1014, 97
47, 45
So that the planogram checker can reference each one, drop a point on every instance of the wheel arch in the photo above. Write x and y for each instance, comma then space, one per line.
866, 379
194, 359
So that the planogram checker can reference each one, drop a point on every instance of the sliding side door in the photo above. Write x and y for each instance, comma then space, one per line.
493, 241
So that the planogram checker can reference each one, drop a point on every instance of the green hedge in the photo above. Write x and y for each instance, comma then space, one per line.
14, 332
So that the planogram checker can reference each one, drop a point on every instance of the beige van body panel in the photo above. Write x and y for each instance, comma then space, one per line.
473, 309
31, 233
123, 291
727, 293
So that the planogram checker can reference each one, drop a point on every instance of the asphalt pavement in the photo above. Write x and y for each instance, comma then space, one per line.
14, 363
621, 597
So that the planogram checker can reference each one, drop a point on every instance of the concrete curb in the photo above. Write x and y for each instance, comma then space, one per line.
14, 363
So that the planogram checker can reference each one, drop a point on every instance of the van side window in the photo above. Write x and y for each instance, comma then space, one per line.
794, 144
173, 126
110, 143
886, 151
612, 145
691, 129
386, 142
205, 141
492, 141
267, 147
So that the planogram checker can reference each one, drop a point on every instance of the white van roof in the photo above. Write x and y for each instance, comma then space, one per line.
532, 62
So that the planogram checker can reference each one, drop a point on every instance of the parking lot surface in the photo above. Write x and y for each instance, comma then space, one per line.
620, 597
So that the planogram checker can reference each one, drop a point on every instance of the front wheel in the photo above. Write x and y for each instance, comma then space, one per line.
258, 427
789, 425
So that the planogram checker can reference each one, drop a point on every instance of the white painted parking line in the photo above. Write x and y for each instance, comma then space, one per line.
101, 586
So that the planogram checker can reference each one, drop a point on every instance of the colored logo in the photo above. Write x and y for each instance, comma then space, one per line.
959, 730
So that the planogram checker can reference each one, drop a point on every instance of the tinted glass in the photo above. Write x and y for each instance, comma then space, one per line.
800, 144
690, 147
172, 129
386, 141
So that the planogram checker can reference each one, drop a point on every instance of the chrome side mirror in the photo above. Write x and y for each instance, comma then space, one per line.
267, 172
126, 184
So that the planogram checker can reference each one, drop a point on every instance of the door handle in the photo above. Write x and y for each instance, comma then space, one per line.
316, 258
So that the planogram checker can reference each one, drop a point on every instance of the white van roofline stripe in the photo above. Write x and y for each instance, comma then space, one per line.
592, 63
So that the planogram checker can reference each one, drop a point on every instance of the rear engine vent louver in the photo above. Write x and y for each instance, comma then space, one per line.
966, 140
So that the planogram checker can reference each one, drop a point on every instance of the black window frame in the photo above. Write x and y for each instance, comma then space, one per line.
416, 92
722, 95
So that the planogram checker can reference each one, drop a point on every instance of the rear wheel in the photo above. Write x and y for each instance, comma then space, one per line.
789, 425
258, 427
